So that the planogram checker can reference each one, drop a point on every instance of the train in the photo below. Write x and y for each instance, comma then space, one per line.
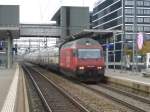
82, 59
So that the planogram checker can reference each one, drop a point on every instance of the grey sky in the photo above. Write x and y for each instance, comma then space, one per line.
41, 11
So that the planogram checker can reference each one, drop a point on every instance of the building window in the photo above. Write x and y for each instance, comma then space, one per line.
128, 36
129, 19
139, 11
139, 3
129, 2
140, 28
118, 46
146, 11
147, 28
140, 20
94, 17
129, 28
118, 38
147, 20
117, 56
146, 3
129, 11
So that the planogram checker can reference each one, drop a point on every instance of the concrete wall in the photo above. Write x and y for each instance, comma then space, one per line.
63, 22
9, 15
73, 20
79, 19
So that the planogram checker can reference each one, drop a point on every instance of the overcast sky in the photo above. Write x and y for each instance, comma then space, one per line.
41, 11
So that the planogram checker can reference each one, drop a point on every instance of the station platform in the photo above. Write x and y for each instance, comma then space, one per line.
134, 80
12, 94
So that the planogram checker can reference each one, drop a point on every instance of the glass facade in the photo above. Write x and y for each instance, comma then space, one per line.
108, 15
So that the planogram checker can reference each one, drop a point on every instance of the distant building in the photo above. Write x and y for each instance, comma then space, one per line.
119, 15
71, 20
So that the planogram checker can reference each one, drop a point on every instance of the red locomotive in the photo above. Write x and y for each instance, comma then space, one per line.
82, 58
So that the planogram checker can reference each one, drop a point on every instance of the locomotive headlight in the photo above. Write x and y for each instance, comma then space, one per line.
81, 68
99, 67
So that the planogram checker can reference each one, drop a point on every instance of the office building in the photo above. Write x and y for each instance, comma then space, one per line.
121, 15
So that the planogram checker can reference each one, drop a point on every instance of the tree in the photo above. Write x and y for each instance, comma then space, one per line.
145, 49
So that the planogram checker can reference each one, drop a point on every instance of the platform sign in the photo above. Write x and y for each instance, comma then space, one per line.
139, 40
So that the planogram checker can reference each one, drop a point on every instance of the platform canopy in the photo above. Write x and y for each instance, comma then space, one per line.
9, 31
95, 32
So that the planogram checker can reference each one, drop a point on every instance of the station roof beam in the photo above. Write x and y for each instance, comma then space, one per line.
39, 30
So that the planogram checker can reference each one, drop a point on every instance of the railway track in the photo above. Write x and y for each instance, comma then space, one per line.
129, 94
132, 101
35, 102
53, 97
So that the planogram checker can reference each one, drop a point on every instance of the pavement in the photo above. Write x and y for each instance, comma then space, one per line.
6, 77
135, 76
135, 80
9, 79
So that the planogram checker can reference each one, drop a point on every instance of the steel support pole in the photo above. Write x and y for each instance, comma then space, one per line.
39, 45
106, 53
45, 42
134, 37
9, 52
29, 46
123, 34
114, 37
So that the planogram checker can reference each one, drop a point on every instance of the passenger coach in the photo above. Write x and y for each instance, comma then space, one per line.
82, 59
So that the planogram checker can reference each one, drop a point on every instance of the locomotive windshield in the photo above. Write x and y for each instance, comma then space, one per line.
88, 53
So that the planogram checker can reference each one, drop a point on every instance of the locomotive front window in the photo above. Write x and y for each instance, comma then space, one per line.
88, 53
